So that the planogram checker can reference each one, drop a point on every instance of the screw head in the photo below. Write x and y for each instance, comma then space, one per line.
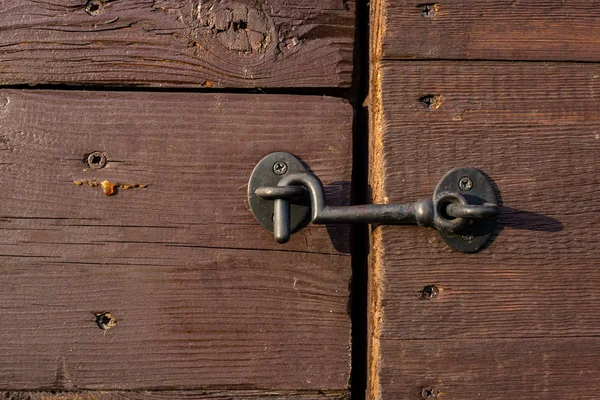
428, 10
469, 235
280, 168
429, 393
427, 101
96, 160
465, 184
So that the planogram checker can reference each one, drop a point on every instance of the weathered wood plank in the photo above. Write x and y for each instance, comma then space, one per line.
202, 295
172, 43
195, 152
185, 395
494, 30
534, 129
492, 369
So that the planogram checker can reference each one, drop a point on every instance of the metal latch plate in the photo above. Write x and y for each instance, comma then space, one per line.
477, 190
267, 173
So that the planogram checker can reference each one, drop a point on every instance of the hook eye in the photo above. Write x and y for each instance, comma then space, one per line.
443, 221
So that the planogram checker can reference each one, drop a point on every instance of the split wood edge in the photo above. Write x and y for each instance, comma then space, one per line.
376, 181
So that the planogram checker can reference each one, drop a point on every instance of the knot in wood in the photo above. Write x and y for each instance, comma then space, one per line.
238, 27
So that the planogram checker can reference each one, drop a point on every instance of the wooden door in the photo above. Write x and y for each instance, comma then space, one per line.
520, 319
131, 264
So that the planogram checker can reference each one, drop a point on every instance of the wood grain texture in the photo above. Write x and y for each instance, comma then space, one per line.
492, 30
172, 43
202, 294
376, 31
492, 369
176, 395
534, 129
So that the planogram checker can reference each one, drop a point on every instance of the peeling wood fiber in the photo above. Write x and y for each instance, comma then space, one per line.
172, 43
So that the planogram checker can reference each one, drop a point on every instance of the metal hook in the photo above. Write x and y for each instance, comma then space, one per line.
455, 210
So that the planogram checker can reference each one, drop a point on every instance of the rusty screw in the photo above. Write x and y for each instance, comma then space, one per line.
429, 393
280, 168
96, 160
465, 184
94, 7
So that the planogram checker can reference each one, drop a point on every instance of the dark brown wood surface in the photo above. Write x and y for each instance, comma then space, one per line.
485, 30
202, 295
520, 319
173, 43
178, 395
538, 368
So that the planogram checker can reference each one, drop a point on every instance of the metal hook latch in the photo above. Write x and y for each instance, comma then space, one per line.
463, 208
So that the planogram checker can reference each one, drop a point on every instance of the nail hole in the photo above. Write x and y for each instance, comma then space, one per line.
105, 320
431, 102
94, 7
429, 292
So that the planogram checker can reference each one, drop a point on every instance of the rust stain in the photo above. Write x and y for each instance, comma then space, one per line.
110, 188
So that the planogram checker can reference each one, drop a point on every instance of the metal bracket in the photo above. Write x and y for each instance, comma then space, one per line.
282, 193
268, 173
477, 190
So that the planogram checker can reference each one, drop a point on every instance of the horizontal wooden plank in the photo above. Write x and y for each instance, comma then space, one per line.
172, 43
205, 318
194, 152
492, 369
185, 395
202, 295
534, 129
493, 30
